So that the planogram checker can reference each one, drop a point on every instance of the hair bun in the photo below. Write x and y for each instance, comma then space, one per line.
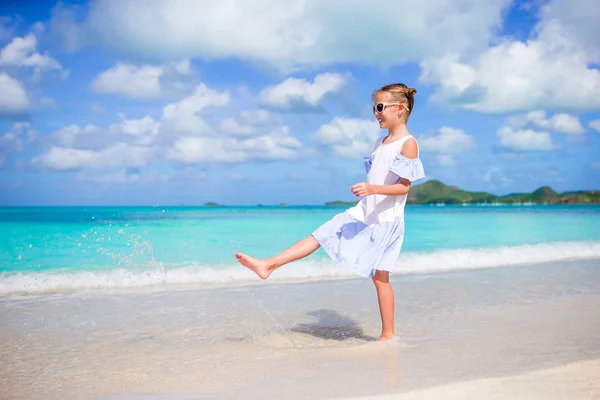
411, 91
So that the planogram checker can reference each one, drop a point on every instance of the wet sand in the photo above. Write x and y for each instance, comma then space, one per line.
524, 332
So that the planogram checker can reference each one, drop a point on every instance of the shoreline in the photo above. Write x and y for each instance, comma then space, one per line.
458, 332
122, 280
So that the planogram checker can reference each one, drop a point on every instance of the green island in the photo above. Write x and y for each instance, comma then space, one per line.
436, 192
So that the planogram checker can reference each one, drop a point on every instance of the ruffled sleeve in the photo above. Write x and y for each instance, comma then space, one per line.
408, 168
368, 162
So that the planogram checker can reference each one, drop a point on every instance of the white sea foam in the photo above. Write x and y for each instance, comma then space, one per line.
303, 270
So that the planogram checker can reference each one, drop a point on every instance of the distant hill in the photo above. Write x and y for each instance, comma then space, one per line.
339, 203
435, 192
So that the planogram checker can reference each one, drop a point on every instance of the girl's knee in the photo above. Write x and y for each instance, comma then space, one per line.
381, 277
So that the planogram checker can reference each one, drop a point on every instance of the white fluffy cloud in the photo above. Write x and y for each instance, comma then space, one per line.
129, 80
76, 136
445, 160
294, 93
248, 123
192, 150
185, 116
144, 130
21, 52
446, 142
181, 134
253, 135
580, 20
126, 144
14, 99
348, 137
530, 132
143, 82
555, 68
595, 124
117, 155
525, 139
287, 35
561, 122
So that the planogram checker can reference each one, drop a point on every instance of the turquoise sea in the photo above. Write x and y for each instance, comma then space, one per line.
56, 248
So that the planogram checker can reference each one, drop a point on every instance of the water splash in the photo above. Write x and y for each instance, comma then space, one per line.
141, 253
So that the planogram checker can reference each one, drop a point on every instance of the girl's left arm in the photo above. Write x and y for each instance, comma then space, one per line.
409, 150
397, 189
366, 189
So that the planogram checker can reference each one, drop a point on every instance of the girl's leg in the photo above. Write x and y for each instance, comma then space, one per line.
385, 295
264, 267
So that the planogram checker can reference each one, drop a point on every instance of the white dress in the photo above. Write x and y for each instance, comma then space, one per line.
368, 236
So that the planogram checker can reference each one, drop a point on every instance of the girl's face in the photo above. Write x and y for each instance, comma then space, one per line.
387, 112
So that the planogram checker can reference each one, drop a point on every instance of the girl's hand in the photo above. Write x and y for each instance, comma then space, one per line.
362, 189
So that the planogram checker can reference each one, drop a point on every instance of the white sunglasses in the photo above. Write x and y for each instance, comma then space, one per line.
378, 108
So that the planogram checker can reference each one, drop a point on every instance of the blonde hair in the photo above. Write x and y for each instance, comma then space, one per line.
400, 93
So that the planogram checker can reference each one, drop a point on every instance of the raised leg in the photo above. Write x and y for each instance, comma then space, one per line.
264, 267
385, 296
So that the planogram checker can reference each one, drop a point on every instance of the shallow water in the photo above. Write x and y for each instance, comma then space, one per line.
44, 249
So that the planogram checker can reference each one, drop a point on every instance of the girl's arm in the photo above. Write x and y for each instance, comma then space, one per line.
397, 189
410, 150
366, 189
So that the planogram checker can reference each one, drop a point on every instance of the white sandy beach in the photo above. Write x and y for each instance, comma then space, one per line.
573, 381
528, 332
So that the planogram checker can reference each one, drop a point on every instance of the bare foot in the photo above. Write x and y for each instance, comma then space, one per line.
260, 267
386, 336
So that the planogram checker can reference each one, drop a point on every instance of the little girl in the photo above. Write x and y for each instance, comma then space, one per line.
367, 237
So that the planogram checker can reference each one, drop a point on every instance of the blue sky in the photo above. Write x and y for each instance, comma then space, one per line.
157, 102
